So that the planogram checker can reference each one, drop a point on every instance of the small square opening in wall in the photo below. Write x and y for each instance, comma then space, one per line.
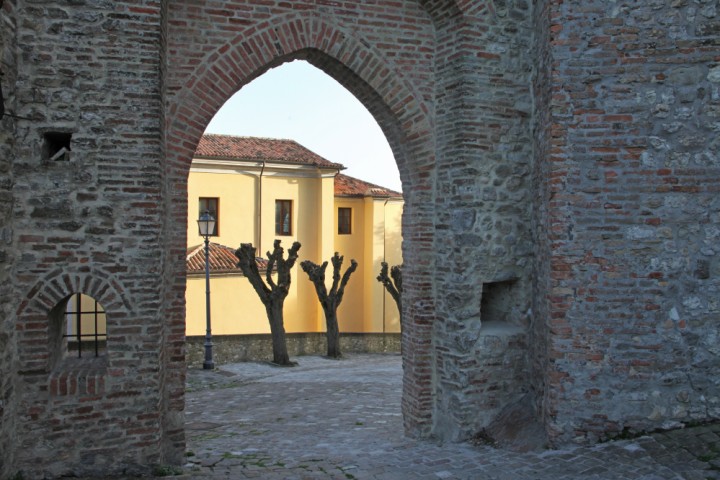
498, 303
56, 146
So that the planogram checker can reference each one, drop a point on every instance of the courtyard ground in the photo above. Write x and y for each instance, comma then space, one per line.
329, 419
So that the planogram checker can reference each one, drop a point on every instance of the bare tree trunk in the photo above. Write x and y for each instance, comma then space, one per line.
272, 294
277, 331
330, 301
332, 334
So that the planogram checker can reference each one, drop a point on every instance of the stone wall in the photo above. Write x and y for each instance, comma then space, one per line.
89, 221
633, 216
560, 164
8, 359
543, 178
450, 88
483, 257
258, 348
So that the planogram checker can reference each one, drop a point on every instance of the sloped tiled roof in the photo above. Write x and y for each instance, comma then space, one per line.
253, 148
347, 186
222, 259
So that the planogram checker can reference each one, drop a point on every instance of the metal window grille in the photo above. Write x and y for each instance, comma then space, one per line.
84, 324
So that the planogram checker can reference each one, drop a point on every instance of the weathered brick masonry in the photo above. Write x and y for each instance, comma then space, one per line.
560, 166
632, 179
8, 356
90, 224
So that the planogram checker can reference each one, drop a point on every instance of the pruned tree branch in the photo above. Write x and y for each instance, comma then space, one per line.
247, 263
396, 274
393, 284
316, 273
270, 267
346, 277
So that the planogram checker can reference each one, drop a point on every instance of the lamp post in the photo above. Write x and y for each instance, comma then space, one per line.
206, 226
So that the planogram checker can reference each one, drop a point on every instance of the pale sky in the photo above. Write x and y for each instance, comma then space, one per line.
299, 102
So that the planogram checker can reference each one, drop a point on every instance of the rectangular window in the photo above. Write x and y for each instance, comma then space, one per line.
344, 221
283, 217
212, 205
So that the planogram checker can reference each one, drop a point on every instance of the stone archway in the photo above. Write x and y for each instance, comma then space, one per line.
133, 87
522, 144
400, 108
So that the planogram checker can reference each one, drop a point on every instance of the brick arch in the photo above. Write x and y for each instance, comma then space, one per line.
446, 9
397, 106
35, 311
58, 285
403, 112
438, 9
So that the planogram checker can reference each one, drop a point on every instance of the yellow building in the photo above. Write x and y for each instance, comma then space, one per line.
262, 189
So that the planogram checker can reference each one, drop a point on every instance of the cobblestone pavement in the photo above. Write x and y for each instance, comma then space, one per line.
330, 419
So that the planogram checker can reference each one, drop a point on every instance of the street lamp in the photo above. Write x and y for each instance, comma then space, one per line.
206, 226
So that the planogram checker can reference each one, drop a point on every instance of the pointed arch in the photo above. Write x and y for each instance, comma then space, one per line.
403, 110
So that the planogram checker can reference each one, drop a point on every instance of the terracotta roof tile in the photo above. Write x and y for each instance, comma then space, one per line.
253, 148
222, 259
347, 186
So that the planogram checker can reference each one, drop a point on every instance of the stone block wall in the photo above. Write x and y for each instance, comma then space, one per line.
632, 216
8, 359
89, 221
258, 348
483, 257
560, 165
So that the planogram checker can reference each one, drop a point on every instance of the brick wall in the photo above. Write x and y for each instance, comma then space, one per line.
543, 179
560, 168
483, 241
91, 223
172, 356
633, 216
8, 365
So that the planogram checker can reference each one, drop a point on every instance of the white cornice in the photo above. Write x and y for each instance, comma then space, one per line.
253, 167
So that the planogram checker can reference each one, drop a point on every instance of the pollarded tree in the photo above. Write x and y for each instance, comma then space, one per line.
330, 301
393, 284
272, 294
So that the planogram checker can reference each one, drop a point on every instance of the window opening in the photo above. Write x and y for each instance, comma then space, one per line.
344, 221
283, 217
85, 326
212, 205
56, 146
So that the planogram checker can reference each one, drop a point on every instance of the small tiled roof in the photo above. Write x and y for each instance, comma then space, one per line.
347, 186
253, 148
222, 259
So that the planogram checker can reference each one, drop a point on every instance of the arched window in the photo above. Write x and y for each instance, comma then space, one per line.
85, 326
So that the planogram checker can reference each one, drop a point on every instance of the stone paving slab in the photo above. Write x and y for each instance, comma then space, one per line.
330, 419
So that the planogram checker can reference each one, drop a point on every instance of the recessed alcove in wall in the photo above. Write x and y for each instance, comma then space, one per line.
499, 303
56, 146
